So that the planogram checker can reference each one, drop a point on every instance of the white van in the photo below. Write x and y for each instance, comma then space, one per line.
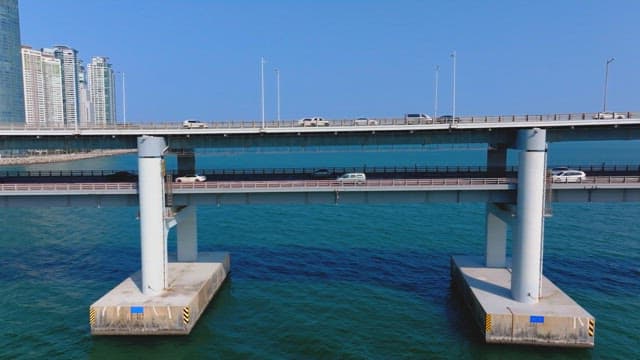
193, 124
352, 178
313, 121
415, 119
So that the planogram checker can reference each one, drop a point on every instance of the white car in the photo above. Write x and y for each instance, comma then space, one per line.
415, 119
609, 115
191, 178
558, 169
365, 122
313, 121
352, 178
194, 124
569, 176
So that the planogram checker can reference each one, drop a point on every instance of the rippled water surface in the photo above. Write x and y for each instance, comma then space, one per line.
334, 281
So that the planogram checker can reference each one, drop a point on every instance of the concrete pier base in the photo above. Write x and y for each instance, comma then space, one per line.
125, 310
555, 320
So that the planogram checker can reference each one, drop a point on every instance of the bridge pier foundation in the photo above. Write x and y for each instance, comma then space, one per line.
520, 305
164, 298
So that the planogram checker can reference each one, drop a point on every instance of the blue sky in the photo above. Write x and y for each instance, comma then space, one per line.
344, 59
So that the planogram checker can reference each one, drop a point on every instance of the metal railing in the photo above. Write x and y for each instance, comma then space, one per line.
332, 171
373, 123
456, 183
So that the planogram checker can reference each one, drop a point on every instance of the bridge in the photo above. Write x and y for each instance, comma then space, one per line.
531, 311
341, 132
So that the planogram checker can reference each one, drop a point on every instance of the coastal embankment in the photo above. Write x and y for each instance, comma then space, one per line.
51, 158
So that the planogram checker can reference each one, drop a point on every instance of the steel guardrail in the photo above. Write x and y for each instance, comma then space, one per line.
613, 117
436, 169
456, 183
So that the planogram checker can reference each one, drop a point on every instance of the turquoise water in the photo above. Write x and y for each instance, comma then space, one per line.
308, 282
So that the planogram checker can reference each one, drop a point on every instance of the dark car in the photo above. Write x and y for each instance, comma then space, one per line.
322, 173
122, 176
446, 119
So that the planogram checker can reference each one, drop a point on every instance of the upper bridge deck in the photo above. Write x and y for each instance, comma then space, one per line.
378, 131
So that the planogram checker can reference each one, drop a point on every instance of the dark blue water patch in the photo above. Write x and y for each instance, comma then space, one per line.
420, 274
609, 276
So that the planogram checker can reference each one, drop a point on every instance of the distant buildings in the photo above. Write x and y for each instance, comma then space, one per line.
43, 95
69, 61
85, 108
60, 92
11, 90
102, 90
51, 87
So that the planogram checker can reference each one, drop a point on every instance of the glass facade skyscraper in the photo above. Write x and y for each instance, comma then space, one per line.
11, 90
102, 90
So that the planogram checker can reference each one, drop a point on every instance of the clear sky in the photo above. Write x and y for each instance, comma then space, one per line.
343, 59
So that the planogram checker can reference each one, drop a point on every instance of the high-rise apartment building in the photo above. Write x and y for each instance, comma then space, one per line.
102, 90
34, 105
69, 62
11, 91
42, 81
85, 107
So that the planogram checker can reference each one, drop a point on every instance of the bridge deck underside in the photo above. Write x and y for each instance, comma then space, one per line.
360, 195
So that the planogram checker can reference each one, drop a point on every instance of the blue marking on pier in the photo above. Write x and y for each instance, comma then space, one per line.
536, 319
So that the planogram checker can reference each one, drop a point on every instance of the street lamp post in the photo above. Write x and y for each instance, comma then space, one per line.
262, 90
606, 78
453, 55
124, 102
278, 94
435, 101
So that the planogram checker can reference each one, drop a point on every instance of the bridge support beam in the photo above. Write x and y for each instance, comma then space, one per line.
187, 239
496, 160
186, 162
498, 217
528, 234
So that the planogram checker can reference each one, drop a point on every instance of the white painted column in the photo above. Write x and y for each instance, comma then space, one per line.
527, 245
187, 235
496, 239
153, 230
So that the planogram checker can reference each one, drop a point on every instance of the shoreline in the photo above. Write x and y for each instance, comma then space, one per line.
55, 158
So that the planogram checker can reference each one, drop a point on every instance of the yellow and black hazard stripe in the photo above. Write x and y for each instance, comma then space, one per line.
92, 316
487, 323
592, 326
186, 315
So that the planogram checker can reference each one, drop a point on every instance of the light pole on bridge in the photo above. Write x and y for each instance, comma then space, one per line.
453, 116
124, 98
262, 89
278, 94
435, 101
606, 78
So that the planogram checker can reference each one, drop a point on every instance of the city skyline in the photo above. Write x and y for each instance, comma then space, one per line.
60, 91
346, 59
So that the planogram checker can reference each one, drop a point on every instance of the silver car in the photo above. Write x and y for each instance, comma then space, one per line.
569, 176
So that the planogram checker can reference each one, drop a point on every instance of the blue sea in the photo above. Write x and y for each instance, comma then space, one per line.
317, 282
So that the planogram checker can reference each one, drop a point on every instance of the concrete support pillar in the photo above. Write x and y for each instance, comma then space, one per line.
496, 238
187, 235
153, 229
496, 160
527, 245
186, 162
187, 227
